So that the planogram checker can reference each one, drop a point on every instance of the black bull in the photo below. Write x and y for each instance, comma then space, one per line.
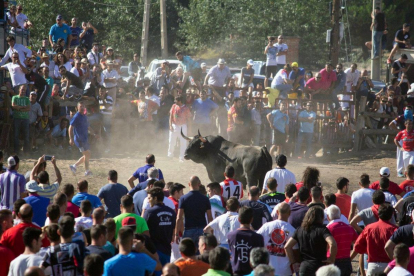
250, 163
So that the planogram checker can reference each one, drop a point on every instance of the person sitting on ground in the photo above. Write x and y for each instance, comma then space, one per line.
45, 188
84, 221
188, 264
84, 195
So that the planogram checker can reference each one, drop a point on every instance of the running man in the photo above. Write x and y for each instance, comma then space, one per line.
78, 135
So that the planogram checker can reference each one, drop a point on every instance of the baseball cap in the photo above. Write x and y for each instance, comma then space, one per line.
294, 64
385, 171
84, 60
250, 62
109, 62
109, 48
13, 161
44, 55
33, 93
32, 186
129, 221
59, 17
202, 65
221, 61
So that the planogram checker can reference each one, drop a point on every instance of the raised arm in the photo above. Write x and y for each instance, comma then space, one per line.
57, 171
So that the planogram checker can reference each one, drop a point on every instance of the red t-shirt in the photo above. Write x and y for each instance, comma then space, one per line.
313, 84
6, 257
327, 78
72, 208
373, 239
180, 114
394, 188
343, 201
175, 203
407, 185
344, 235
407, 138
13, 238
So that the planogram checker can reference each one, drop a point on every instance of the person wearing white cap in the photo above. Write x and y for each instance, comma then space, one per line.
247, 74
394, 188
12, 184
38, 203
110, 78
218, 76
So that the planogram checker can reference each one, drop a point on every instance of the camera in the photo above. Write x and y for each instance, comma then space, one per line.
48, 157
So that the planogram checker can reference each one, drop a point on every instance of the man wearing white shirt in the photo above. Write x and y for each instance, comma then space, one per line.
94, 57
275, 234
282, 82
282, 50
225, 223
110, 78
16, 48
281, 174
352, 76
17, 72
362, 198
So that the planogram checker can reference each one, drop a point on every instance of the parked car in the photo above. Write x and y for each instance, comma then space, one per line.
378, 85
256, 79
123, 72
155, 63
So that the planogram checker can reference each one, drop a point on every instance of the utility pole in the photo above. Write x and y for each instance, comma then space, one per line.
164, 41
145, 29
375, 63
335, 17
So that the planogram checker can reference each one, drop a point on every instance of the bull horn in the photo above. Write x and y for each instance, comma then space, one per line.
185, 137
202, 139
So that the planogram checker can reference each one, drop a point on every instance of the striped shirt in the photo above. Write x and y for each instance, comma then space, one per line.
12, 184
344, 236
231, 187
47, 190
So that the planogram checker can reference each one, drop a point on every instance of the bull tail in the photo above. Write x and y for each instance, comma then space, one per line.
268, 157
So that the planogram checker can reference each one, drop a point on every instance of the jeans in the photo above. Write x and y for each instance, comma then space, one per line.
345, 266
376, 43
21, 124
164, 259
283, 89
193, 233
308, 139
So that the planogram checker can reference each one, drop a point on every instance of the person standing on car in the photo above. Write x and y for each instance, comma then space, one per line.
133, 66
282, 50
192, 69
247, 75
271, 64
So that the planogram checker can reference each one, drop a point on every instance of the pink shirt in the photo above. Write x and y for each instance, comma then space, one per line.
344, 235
313, 84
70, 207
327, 78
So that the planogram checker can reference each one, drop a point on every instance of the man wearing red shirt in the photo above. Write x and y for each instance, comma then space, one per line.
176, 191
394, 188
6, 222
13, 237
328, 77
314, 85
344, 236
373, 239
407, 138
408, 184
180, 119
343, 201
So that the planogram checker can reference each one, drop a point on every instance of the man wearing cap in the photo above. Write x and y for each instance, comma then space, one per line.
21, 109
134, 66
297, 76
39, 203
401, 40
282, 82
282, 50
161, 75
218, 77
35, 114
12, 184
394, 188
271, 64
407, 148
15, 48
94, 57
110, 78
247, 75
399, 70
60, 30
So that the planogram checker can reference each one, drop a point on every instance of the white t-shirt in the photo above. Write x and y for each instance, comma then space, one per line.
82, 223
224, 224
168, 202
281, 47
21, 18
75, 71
280, 76
399, 271
22, 262
275, 234
109, 75
16, 73
362, 198
282, 176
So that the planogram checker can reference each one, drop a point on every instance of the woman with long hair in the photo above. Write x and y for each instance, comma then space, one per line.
11, 17
310, 178
61, 59
312, 238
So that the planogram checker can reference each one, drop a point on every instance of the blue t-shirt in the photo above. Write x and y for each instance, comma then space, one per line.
202, 110
305, 126
142, 173
75, 33
139, 187
132, 264
138, 199
280, 120
80, 124
79, 197
39, 205
111, 194
301, 72
161, 223
195, 206
87, 39
60, 32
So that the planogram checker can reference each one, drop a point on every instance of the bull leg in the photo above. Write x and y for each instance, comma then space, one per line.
252, 180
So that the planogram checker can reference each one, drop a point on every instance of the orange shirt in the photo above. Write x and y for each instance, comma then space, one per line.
192, 267
343, 201
180, 114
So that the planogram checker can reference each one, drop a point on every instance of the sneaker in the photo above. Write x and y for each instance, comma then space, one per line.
389, 61
181, 160
88, 173
400, 174
73, 169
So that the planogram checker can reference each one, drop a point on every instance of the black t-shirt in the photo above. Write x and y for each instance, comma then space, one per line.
165, 106
247, 74
272, 199
404, 234
161, 223
87, 233
407, 209
94, 249
379, 22
74, 80
241, 242
195, 206
37, 80
260, 211
312, 244
397, 65
401, 36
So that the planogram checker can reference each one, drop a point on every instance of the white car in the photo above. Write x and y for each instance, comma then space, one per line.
155, 63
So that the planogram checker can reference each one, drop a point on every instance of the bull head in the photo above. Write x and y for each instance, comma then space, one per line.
202, 139
186, 137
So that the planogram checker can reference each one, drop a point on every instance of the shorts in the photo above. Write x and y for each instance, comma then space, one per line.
196, 74
271, 71
82, 146
279, 138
